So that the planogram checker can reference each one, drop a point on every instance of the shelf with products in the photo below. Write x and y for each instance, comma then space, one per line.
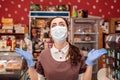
85, 35
75, 42
12, 66
115, 25
113, 56
11, 33
39, 28
85, 31
8, 42
110, 26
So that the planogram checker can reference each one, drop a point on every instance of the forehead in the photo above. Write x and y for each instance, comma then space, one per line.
57, 20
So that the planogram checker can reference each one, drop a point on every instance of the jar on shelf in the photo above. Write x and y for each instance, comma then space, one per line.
9, 42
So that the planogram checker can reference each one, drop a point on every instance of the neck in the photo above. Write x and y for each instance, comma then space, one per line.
60, 46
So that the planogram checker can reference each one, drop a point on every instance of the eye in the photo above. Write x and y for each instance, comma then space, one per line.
61, 24
53, 25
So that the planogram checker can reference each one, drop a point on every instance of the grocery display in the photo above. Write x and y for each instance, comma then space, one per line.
12, 36
114, 25
85, 32
9, 42
111, 42
113, 56
85, 35
11, 66
39, 7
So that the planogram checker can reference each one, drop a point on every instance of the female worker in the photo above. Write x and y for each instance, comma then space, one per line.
63, 61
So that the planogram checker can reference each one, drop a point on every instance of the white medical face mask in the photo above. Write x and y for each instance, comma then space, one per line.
59, 34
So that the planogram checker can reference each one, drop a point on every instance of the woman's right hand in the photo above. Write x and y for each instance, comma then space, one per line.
27, 55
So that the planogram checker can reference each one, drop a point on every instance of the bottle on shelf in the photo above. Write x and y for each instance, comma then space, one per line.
74, 12
9, 42
13, 44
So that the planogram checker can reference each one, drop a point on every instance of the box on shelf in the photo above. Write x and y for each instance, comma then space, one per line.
3, 44
19, 28
8, 24
7, 27
6, 30
19, 31
7, 20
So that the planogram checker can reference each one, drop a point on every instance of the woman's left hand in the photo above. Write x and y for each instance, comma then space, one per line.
94, 55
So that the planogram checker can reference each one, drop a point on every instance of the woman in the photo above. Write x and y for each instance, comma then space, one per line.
63, 61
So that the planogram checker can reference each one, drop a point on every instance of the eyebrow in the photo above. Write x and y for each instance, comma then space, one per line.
61, 22
53, 23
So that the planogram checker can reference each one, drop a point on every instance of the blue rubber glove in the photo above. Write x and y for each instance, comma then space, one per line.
27, 55
93, 55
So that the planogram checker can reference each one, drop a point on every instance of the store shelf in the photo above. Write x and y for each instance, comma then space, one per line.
85, 35
11, 33
6, 51
113, 58
50, 14
85, 42
77, 33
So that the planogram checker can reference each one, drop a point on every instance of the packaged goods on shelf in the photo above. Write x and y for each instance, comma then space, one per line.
7, 20
19, 28
2, 65
7, 27
113, 56
39, 7
13, 65
118, 26
6, 31
19, 31
8, 43
3, 44
10, 61
41, 23
8, 24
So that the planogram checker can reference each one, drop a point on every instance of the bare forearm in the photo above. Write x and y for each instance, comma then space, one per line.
88, 73
33, 73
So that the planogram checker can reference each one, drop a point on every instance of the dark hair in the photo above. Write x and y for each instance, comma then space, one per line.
74, 52
58, 17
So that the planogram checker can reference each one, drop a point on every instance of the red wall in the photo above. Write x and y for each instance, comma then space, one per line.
19, 9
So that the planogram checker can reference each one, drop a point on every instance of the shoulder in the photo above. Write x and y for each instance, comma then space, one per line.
44, 53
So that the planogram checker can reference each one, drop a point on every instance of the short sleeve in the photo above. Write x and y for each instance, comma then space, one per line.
83, 66
39, 68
